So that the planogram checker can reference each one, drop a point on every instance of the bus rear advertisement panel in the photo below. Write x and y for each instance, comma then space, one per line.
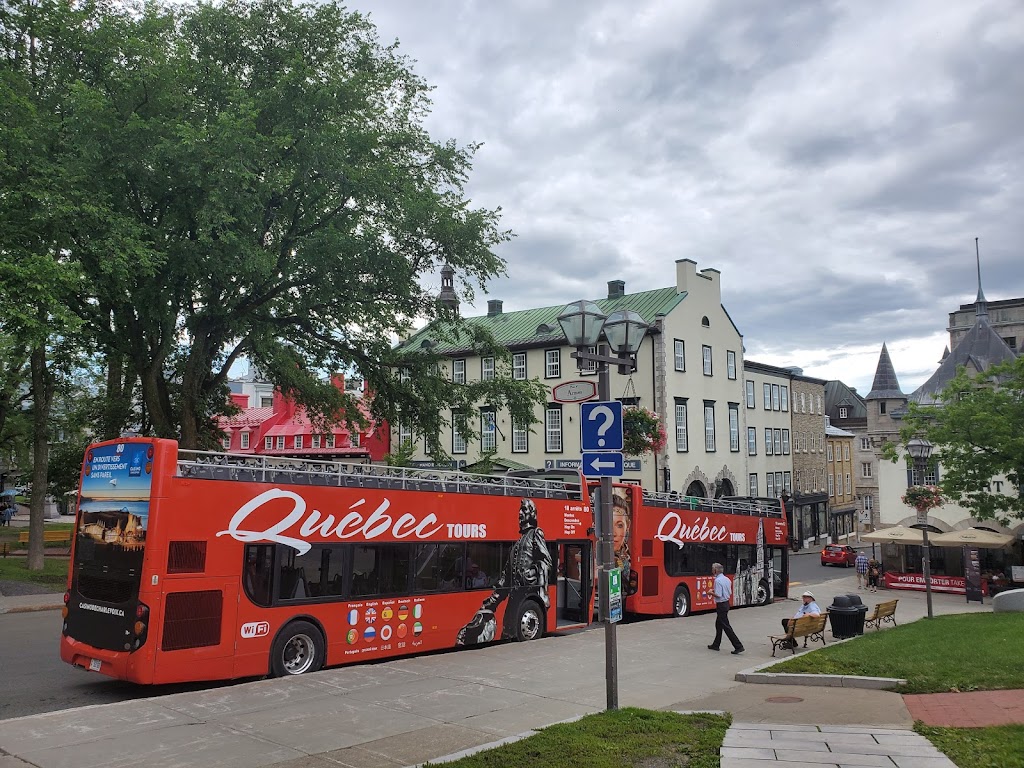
186, 577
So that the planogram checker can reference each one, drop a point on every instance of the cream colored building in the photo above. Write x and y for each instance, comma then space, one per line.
768, 435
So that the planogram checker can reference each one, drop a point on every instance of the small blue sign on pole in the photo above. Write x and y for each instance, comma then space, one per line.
602, 464
601, 426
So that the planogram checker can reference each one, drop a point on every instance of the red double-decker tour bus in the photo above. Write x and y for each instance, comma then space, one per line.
189, 565
665, 544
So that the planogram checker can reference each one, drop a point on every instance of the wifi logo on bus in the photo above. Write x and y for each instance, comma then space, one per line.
255, 629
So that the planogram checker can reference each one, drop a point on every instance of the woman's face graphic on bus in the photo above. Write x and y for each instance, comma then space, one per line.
620, 528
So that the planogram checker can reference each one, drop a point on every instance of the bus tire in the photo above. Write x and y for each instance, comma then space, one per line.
764, 594
299, 648
681, 602
530, 621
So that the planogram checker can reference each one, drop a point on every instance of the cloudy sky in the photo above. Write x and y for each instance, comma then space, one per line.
834, 160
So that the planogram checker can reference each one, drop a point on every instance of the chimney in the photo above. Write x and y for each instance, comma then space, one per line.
494, 307
242, 401
338, 380
616, 289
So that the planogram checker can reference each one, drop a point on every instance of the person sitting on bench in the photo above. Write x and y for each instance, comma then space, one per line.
807, 608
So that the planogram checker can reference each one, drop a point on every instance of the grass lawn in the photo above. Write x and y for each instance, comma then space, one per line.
996, 747
54, 573
628, 738
965, 652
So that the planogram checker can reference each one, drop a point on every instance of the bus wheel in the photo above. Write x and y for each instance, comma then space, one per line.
530, 625
764, 595
298, 649
681, 601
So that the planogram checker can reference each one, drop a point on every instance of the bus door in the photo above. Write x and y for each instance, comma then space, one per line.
575, 582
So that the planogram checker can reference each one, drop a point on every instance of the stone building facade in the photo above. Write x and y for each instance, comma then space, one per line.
810, 487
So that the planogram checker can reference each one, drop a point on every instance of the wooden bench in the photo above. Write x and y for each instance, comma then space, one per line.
49, 537
883, 612
807, 627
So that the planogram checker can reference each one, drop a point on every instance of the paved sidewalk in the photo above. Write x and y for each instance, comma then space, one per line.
763, 745
974, 709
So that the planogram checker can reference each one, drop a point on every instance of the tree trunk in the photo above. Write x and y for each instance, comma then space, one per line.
42, 396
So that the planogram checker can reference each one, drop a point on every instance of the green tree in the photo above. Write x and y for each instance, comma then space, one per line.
252, 178
978, 433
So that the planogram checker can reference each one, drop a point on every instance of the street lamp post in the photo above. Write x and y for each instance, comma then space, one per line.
920, 450
582, 323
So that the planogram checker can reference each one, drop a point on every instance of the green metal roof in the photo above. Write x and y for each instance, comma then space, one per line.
537, 327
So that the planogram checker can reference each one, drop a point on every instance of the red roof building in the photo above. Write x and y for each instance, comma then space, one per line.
285, 430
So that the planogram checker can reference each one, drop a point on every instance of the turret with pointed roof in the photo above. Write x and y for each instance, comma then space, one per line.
885, 386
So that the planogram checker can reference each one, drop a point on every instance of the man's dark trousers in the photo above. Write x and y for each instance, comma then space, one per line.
722, 625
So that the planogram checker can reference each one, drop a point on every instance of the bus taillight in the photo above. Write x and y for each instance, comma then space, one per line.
141, 611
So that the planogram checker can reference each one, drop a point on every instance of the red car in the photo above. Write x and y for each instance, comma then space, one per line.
835, 554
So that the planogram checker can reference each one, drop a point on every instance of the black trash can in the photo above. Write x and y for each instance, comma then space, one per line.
862, 612
842, 615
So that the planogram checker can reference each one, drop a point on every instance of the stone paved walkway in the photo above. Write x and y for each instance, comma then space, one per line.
976, 709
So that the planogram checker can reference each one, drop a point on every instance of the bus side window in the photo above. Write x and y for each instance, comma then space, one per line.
256, 575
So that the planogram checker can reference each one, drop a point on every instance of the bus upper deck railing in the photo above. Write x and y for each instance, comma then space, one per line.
211, 465
748, 506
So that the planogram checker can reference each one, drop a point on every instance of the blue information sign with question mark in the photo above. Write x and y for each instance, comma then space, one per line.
601, 426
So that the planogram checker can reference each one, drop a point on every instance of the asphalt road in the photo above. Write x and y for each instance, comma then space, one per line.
33, 679
806, 568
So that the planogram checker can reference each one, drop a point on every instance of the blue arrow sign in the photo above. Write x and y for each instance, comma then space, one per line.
602, 464
601, 426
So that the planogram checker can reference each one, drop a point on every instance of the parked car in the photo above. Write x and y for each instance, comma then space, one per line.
835, 554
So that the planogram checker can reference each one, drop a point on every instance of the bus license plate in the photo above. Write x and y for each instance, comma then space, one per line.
94, 665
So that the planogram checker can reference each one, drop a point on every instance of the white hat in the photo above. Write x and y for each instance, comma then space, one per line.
807, 594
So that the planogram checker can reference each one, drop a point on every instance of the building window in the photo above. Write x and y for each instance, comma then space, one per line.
280, 442
353, 439
865, 469
778, 441
680, 354
588, 367
803, 405
488, 432
768, 442
819, 405
329, 440
831, 486
298, 441
770, 481
869, 503
268, 443
843, 411
709, 426
552, 365
520, 439
785, 397
750, 394
244, 440
486, 369
752, 441
829, 454
767, 396
315, 441
404, 434
752, 484
776, 398
849, 484
553, 429
730, 364
785, 442
734, 426
682, 435
519, 366
266, 402
459, 371
787, 482
458, 436
846, 451
226, 443
881, 406
865, 443
707, 359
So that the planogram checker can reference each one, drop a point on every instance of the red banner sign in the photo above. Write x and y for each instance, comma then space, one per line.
952, 584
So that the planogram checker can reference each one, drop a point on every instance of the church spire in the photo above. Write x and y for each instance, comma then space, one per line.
980, 305
448, 297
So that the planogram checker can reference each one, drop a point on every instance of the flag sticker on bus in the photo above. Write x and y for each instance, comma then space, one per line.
353, 617
255, 629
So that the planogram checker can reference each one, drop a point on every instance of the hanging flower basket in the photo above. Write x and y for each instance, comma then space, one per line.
923, 497
642, 432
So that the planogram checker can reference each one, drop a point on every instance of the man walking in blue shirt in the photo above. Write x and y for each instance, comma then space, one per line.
723, 596
862, 569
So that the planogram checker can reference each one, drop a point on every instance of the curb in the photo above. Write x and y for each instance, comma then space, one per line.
31, 608
759, 676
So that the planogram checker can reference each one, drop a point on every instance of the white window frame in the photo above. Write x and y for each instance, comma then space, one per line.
730, 365
784, 394
849, 484
459, 371
268, 443
769, 489
297, 442
706, 355
777, 439
868, 502
752, 441
803, 403
682, 431
552, 363
831, 485
766, 392
769, 442
488, 431
588, 367
315, 441
751, 401
709, 427
459, 445
280, 442
679, 354
846, 451
519, 366
354, 439
552, 430
520, 438
752, 483
244, 440
819, 404
329, 440
865, 469
787, 482
843, 410
225, 442
776, 398
404, 434
785, 442
486, 369
734, 426
828, 455
865, 443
